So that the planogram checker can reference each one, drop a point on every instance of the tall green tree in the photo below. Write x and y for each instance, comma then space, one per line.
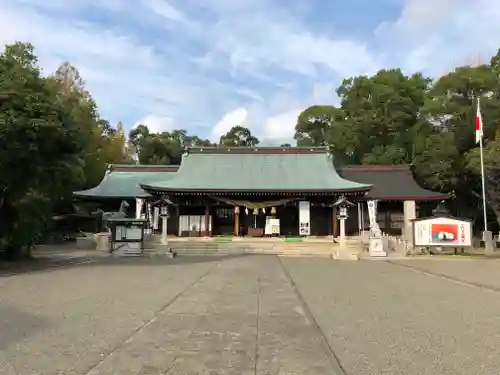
162, 148
41, 148
239, 136
381, 113
107, 145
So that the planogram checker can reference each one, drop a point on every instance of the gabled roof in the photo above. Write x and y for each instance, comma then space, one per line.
390, 182
123, 181
264, 170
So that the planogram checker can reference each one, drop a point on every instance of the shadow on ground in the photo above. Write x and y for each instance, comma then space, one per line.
15, 325
48, 264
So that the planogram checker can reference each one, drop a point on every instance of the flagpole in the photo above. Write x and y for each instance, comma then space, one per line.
482, 174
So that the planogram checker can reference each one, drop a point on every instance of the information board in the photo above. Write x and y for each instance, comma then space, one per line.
442, 231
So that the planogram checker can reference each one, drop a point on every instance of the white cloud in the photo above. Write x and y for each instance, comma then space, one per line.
164, 9
182, 62
157, 124
230, 119
280, 128
434, 35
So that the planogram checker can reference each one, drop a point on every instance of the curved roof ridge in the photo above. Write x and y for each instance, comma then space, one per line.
250, 171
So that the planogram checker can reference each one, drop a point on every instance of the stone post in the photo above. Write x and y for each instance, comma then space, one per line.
488, 243
334, 221
164, 222
410, 213
342, 219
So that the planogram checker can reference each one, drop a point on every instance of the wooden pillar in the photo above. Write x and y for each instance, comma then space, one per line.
334, 221
207, 220
236, 221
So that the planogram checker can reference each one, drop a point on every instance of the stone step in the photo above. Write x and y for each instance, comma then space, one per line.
240, 247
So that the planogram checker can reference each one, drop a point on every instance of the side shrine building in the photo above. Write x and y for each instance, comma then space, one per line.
236, 191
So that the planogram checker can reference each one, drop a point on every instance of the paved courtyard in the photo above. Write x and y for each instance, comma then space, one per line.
252, 315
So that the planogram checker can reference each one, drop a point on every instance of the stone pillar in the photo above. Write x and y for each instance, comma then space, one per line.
360, 226
164, 221
207, 220
342, 229
410, 213
488, 243
236, 221
334, 221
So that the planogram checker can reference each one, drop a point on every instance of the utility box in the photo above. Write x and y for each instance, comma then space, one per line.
127, 236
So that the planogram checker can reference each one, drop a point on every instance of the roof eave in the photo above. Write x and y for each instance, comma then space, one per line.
81, 195
363, 189
411, 198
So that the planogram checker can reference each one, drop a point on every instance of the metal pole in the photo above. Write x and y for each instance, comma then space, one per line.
482, 174
483, 184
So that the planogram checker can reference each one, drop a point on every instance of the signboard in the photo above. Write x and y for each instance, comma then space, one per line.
272, 226
304, 218
442, 231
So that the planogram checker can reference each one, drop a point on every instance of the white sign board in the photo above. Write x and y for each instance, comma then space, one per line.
272, 226
304, 218
442, 231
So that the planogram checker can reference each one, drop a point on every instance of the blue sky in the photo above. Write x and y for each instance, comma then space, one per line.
179, 64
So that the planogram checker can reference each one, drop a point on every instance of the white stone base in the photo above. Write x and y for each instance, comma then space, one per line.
376, 247
345, 254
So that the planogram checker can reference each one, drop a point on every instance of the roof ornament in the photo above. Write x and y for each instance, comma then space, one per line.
164, 201
343, 202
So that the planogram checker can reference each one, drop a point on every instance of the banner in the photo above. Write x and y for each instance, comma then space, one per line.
372, 213
304, 218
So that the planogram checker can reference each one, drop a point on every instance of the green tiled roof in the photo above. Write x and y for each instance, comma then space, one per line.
125, 182
256, 170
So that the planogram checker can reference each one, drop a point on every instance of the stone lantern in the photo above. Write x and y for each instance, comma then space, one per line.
163, 204
342, 204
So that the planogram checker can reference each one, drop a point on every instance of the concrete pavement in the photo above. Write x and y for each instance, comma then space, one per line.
249, 315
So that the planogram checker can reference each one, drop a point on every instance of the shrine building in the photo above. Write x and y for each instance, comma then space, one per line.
233, 191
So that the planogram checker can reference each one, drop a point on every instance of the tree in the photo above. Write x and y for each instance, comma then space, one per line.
70, 78
451, 103
314, 125
491, 156
162, 148
238, 136
381, 113
41, 148
391, 118
106, 144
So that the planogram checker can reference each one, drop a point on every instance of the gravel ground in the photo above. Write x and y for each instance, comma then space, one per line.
250, 315
385, 319
63, 321
481, 272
